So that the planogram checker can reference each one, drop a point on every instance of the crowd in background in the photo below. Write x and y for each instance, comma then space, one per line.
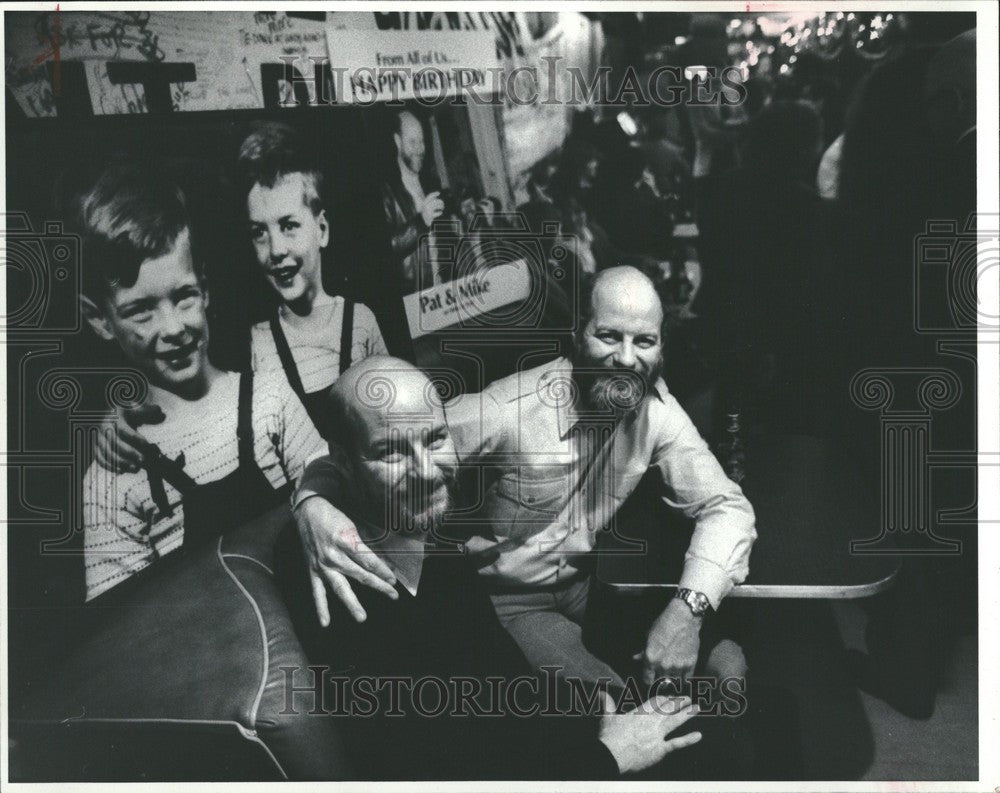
780, 230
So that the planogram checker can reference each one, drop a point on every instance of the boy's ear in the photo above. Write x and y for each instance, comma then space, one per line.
96, 318
324, 228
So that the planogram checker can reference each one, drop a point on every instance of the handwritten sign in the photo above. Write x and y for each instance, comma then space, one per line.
393, 65
275, 38
464, 299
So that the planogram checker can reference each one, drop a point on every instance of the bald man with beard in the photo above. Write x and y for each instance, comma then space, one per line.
396, 462
559, 448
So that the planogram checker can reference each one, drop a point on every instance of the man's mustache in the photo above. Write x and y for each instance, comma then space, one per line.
615, 388
621, 387
619, 377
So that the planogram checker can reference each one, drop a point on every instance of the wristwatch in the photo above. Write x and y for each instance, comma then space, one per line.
697, 602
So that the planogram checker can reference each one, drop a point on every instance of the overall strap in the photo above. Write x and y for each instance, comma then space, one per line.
347, 335
285, 356
244, 419
159, 494
160, 468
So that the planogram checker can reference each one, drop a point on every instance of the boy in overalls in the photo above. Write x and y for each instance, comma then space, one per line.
229, 445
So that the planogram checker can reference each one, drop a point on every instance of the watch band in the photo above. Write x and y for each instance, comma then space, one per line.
698, 602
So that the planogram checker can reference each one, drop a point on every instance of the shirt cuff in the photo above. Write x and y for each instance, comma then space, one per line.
707, 578
301, 496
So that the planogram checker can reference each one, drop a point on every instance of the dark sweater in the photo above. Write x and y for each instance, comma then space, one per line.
448, 631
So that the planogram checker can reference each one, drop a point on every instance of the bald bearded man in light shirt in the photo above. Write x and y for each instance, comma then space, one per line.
561, 446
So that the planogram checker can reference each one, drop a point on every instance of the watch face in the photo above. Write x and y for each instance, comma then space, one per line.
696, 601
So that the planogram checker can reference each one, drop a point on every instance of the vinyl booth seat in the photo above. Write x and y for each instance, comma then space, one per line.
181, 678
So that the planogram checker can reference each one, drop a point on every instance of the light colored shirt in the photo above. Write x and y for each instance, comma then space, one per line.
124, 530
551, 480
316, 348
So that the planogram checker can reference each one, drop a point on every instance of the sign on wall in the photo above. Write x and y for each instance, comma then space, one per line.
231, 60
395, 65
461, 301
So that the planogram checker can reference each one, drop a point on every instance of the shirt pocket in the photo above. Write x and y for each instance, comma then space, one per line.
529, 501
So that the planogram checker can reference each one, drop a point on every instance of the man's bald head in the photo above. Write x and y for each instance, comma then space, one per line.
375, 388
390, 422
409, 138
620, 336
626, 289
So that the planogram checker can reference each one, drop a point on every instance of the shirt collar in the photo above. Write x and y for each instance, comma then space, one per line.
405, 557
403, 553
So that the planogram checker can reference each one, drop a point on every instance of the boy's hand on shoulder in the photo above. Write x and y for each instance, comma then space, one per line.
120, 447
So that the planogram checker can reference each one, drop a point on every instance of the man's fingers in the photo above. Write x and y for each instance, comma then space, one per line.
653, 672
673, 744
677, 709
367, 558
680, 713
362, 576
342, 589
319, 598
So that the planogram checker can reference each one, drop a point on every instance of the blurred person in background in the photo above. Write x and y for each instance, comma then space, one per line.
715, 129
628, 204
769, 271
663, 143
909, 157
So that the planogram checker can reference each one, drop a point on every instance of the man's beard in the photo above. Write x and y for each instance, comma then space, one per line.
615, 391
422, 513
415, 510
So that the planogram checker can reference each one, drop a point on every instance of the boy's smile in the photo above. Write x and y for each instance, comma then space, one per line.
160, 321
287, 238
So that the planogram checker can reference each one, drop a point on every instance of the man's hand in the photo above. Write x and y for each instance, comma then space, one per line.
638, 739
335, 553
433, 207
672, 644
120, 448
